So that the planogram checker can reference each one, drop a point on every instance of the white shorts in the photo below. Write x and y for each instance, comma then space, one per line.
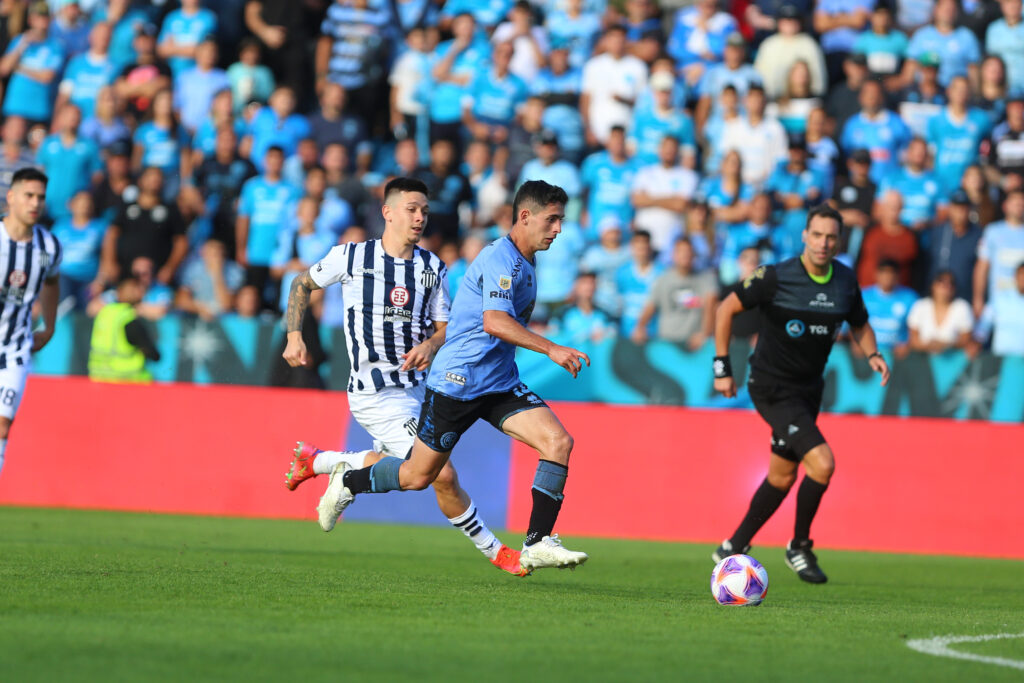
390, 416
12, 388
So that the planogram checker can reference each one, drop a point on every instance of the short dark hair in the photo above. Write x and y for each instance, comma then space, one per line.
275, 148
404, 184
642, 234
824, 210
537, 194
28, 174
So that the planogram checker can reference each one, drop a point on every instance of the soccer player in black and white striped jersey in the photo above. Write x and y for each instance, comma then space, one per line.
29, 259
396, 310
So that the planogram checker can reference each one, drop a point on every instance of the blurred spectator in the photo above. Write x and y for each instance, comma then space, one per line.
877, 130
1000, 250
700, 230
488, 14
958, 46
492, 97
976, 15
278, 125
105, 126
115, 183
953, 247
727, 194
795, 188
334, 215
888, 304
746, 324
781, 51
529, 43
922, 196
991, 93
1005, 38
145, 227
559, 86
641, 20
844, 97
634, 281
298, 165
838, 23
263, 210
698, 38
81, 237
854, 197
281, 29
523, 135
126, 19
683, 300
711, 133
448, 190
455, 64
218, 183
156, 297
121, 343
757, 233
209, 282
1006, 146
984, 199
163, 143
333, 124
557, 269
889, 240
661, 193
823, 150
762, 16
793, 107
883, 46
409, 79
299, 248
731, 71
148, 74
181, 33
1005, 313
32, 62
87, 73
608, 180
941, 321
924, 99
574, 30
468, 251
604, 259
612, 81
71, 162
70, 28
654, 120
250, 80
761, 141
196, 86
487, 179
583, 323
548, 166
14, 154
956, 134
345, 186
221, 115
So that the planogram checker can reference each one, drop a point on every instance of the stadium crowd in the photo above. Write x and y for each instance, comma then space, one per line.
214, 149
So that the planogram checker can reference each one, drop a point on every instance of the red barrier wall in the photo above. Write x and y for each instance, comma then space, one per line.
914, 485
217, 450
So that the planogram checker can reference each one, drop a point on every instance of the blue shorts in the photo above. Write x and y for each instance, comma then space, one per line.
443, 419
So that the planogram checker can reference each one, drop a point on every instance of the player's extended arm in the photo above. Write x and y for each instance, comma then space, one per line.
421, 355
724, 382
503, 326
48, 298
865, 338
298, 302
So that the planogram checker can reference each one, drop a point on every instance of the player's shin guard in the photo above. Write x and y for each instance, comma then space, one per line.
548, 485
763, 505
808, 498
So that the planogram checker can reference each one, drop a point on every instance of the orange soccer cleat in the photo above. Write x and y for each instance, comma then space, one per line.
508, 561
302, 466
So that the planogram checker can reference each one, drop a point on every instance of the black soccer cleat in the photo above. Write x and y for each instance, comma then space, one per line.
801, 559
725, 550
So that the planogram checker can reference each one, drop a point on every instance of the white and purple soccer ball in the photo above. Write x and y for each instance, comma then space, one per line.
739, 580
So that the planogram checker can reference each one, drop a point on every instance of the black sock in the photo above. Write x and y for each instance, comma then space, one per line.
763, 505
357, 481
542, 517
808, 498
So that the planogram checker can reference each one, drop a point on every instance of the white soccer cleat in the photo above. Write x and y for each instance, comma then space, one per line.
549, 552
336, 498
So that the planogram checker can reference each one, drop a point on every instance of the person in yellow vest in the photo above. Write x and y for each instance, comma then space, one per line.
121, 344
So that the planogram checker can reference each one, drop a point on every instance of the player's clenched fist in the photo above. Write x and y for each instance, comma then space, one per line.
569, 358
295, 350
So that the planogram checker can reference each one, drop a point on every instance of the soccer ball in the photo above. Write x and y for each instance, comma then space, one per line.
739, 580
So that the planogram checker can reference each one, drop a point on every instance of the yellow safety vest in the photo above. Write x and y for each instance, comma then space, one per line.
111, 357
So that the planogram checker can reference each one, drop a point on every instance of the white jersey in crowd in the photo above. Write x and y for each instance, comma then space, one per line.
390, 307
24, 266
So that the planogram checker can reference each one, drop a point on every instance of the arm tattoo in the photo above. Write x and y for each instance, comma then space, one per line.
298, 301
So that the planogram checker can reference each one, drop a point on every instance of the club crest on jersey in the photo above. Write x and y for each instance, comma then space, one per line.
17, 278
428, 278
399, 296
505, 282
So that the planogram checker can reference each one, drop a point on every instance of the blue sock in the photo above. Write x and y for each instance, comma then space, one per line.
548, 484
384, 475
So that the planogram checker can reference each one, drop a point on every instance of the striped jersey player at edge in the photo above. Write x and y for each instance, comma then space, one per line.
803, 303
29, 259
396, 311
474, 376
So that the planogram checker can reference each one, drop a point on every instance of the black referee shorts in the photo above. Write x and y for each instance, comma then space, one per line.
443, 419
792, 412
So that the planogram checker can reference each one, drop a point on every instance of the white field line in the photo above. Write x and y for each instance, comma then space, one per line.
940, 647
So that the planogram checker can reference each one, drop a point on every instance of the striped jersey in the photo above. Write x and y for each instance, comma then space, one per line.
24, 266
390, 307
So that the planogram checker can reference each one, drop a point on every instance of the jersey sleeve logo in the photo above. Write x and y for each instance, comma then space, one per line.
399, 296
756, 275
505, 282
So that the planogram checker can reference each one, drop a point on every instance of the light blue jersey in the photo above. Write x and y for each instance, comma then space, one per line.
473, 363
884, 138
1008, 42
161, 147
495, 100
609, 185
445, 104
558, 267
27, 97
888, 314
920, 191
186, 29
487, 13
649, 127
560, 173
577, 35
266, 205
956, 50
635, 288
84, 77
69, 169
956, 144
81, 259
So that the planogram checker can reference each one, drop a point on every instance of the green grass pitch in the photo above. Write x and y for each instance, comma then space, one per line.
96, 596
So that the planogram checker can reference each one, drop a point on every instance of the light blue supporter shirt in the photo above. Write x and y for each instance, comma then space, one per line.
82, 244
1008, 42
956, 50
186, 29
956, 144
27, 97
473, 363
888, 314
84, 77
69, 169
609, 185
266, 205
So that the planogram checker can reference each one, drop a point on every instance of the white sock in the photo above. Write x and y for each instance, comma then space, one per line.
3, 447
325, 461
472, 524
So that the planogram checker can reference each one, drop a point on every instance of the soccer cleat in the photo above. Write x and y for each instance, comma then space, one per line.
549, 552
508, 561
801, 559
336, 498
725, 550
302, 465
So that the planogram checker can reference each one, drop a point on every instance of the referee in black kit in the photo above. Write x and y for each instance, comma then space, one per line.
803, 303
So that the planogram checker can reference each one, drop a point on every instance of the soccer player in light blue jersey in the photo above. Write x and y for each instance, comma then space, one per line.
474, 376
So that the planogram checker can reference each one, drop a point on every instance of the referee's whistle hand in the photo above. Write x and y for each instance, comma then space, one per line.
726, 386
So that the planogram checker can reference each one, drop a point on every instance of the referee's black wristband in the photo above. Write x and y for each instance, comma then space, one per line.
722, 367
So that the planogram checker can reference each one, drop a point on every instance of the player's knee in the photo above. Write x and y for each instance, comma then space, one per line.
782, 480
558, 446
446, 479
820, 464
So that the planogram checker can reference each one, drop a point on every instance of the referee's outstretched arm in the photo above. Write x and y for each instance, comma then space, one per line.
724, 383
